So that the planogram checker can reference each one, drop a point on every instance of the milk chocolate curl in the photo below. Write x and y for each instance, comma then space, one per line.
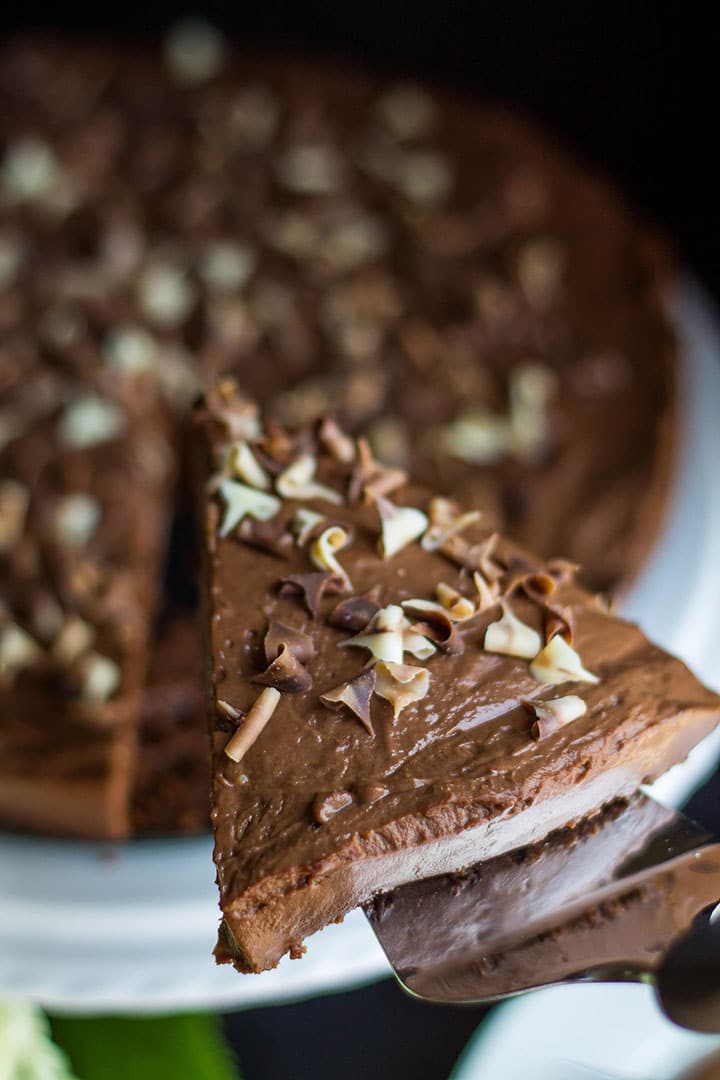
551, 716
446, 521
558, 620
238, 415
370, 478
440, 630
401, 684
536, 585
487, 591
434, 623
353, 614
354, 695
299, 643
312, 587
474, 557
563, 570
285, 673
334, 440
269, 536
253, 724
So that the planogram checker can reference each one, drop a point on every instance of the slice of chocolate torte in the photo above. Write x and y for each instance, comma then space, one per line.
393, 691
86, 472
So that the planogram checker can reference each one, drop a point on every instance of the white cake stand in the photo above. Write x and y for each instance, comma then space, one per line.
91, 928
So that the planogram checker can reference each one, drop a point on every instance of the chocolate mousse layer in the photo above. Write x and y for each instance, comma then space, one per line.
395, 692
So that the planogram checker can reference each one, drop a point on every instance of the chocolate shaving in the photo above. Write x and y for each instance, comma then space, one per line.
370, 478
237, 413
385, 483
354, 695
252, 726
285, 673
269, 536
299, 643
439, 628
324, 806
354, 614
312, 587
278, 449
474, 557
267, 460
558, 620
483, 553
364, 470
536, 585
551, 716
334, 440
563, 570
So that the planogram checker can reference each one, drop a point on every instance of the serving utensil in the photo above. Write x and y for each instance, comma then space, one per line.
629, 896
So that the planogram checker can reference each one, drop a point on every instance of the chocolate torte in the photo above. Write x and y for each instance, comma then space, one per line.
394, 691
433, 269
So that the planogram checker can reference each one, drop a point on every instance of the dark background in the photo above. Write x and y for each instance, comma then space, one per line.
633, 88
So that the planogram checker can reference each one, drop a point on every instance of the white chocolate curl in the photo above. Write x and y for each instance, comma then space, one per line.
243, 465
243, 501
298, 482
322, 552
445, 521
260, 712
401, 684
383, 636
458, 607
558, 662
555, 714
303, 524
487, 591
414, 643
400, 526
512, 637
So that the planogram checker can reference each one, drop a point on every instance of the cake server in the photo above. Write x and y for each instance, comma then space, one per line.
627, 896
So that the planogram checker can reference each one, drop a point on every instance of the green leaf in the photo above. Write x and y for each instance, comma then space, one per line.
188, 1047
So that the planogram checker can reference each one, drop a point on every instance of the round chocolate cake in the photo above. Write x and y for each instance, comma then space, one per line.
433, 271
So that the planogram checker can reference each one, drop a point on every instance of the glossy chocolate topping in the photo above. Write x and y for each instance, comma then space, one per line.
323, 809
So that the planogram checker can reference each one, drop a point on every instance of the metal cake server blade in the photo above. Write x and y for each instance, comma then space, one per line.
626, 896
